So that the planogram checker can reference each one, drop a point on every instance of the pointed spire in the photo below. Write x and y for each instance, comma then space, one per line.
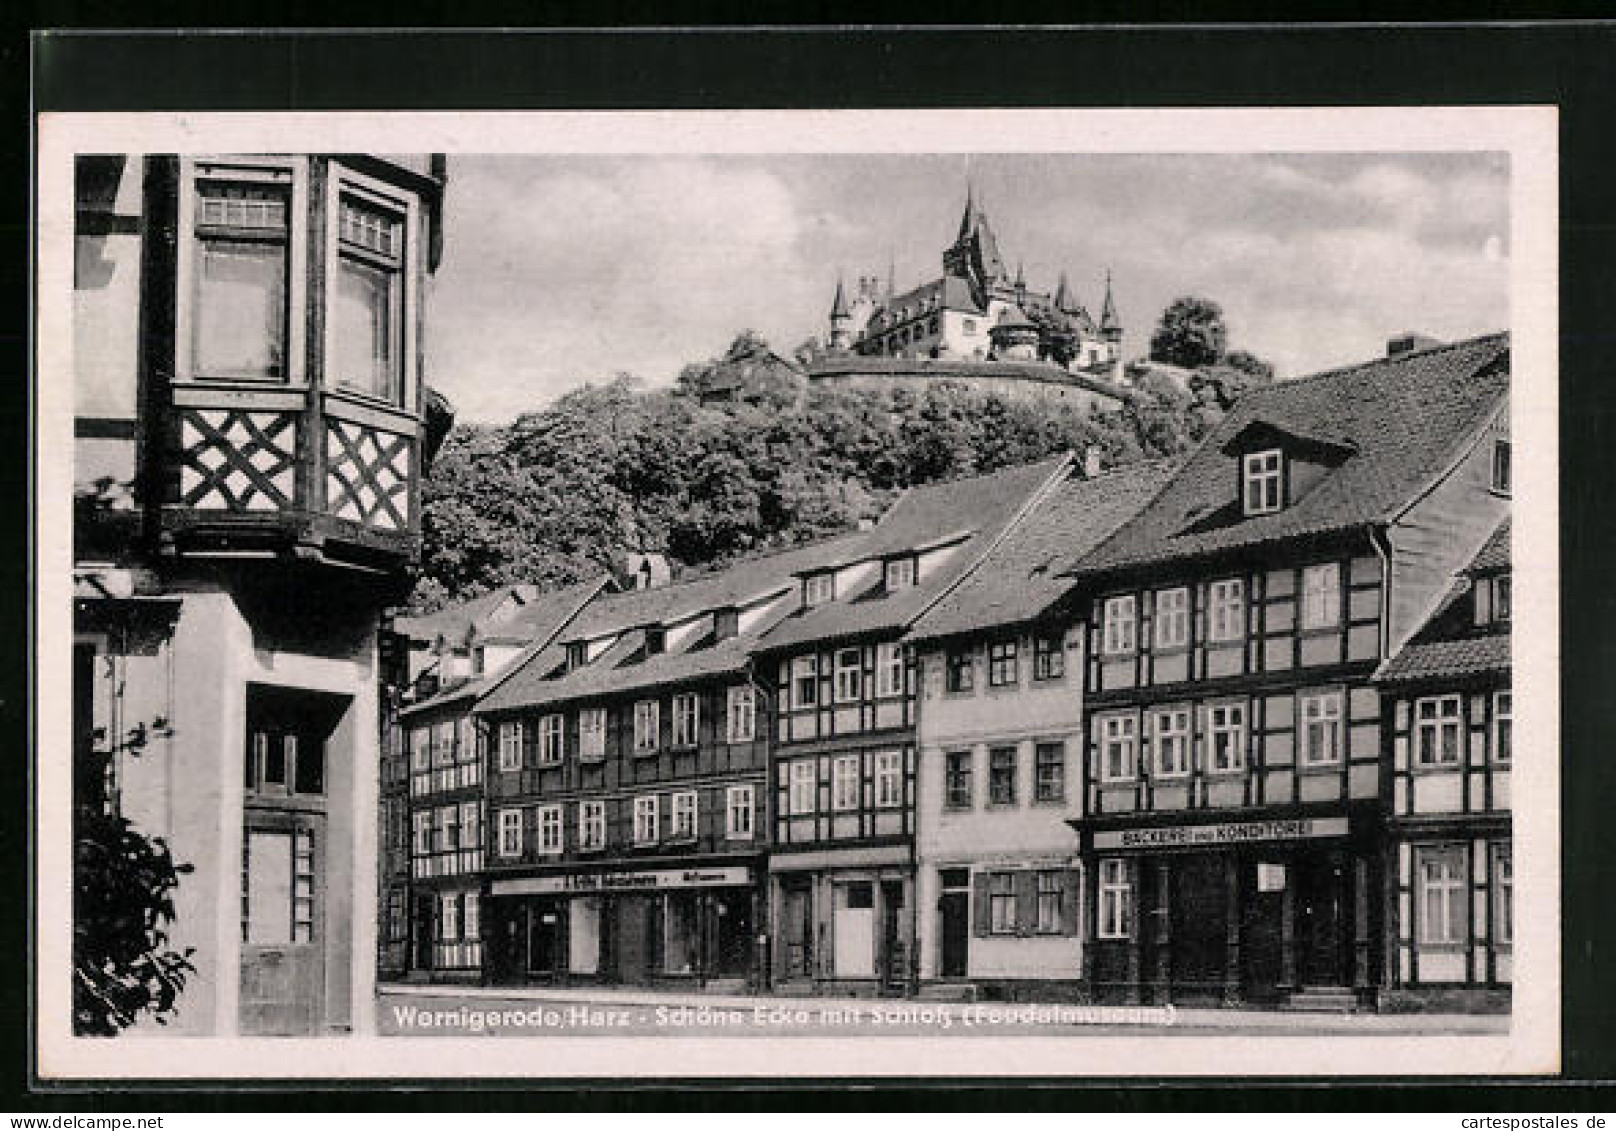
838, 307
968, 221
1108, 314
1021, 275
1063, 295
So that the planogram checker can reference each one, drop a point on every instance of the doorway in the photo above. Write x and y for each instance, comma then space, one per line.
1322, 927
543, 939
854, 930
797, 928
954, 923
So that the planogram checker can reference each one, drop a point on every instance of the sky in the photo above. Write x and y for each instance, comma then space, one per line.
562, 270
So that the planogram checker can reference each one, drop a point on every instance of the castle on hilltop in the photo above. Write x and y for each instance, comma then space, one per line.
975, 311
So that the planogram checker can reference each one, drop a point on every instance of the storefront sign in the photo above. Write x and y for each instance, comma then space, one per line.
1192, 836
625, 881
1270, 877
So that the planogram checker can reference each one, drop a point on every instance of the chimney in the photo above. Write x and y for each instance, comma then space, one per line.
1091, 462
1409, 342
647, 571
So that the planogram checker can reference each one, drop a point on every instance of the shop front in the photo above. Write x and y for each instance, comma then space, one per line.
845, 920
689, 925
1261, 910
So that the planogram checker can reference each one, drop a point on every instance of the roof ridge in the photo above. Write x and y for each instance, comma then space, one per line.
1343, 370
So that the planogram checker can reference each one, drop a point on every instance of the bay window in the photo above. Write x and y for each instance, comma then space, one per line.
366, 331
239, 267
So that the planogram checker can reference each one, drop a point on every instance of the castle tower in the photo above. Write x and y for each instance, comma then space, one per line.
1110, 324
841, 320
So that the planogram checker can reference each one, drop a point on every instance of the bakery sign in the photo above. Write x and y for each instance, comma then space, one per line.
1212, 836
646, 880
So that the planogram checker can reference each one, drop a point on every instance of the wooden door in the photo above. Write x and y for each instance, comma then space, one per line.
1322, 928
798, 932
954, 910
283, 929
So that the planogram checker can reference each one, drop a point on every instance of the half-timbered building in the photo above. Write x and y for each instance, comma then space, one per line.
1235, 792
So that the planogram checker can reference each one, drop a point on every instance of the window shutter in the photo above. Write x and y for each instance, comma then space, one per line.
1026, 902
1069, 908
979, 898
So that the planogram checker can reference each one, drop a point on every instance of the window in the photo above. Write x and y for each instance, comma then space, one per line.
238, 328
1438, 733
421, 750
1227, 614
1503, 894
1049, 772
889, 669
510, 832
1117, 736
1321, 729
1002, 903
592, 734
1116, 900
889, 779
1503, 727
1002, 666
957, 779
844, 782
803, 787
1048, 656
1226, 732
448, 828
645, 820
1441, 879
1172, 743
1049, 890
1173, 618
1263, 476
422, 845
449, 917
550, 740
1503, 597
849, 665
961, 674
1321, 596
471, 916
1002, 776
968, 325
367, 317
471, 824
1118, 625
510, 746
685, 718
805, 681
900, 573
592, 825
742, 713
645, 726
1501, 469
818, 589
738, 812
684, 816
550, 830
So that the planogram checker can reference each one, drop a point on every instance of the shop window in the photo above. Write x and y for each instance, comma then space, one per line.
366, 334
1226, 734
239, 267
592, 734
1226, 619
1321, 596
1503, 894
592, 825
1116, 900
741, 713
1002, 776
844, 782
849, 668
961, 674
957, 783
550, 731
1172, 740
510, 746
1048, 893
803, 787
738, 811
1002, 903
645, 820
1173, 618
900, 573
1503, 727
1263, 481
1438, 732
684, 816
1118, 623
686, 718
1049, 771
1048, 656
1442, 897
889, 779
805, 681
645, 726
1321, 728
1002, 664
889, 670
1118, 735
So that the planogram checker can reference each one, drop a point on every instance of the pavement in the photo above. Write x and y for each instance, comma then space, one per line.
446, 1010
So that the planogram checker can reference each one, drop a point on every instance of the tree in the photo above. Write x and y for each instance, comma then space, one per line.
1191, 333
1260, 371
123, 901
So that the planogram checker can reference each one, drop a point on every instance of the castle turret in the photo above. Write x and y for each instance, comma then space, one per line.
841, 320
1014, 336
1110, 324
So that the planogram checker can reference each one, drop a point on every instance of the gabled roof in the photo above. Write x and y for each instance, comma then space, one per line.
1405, 420
1494, 553
454, 622
986, 505
1024, 576
1450, 645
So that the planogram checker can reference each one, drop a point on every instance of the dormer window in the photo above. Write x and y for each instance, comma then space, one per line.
577, 654
1263, 481
1501, 467
1494, 599
900, 573
656, 640
818, 589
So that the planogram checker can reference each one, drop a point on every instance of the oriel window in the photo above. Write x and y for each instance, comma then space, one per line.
238, 324
367, 313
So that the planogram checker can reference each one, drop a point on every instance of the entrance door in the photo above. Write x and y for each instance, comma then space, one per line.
854, 930
543, 938
1199, 904
283, 935
1262, 909
894, 960
1322, 928
426, 910
732, 911
633, 938
797, 930
954, 912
